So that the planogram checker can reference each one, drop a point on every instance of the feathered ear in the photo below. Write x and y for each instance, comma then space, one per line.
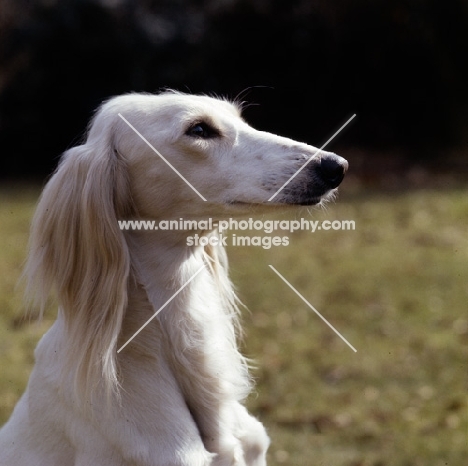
78, 251
217, 261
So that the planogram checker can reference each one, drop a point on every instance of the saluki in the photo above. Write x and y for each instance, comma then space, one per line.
173, 395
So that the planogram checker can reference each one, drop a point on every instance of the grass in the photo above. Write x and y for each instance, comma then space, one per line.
396, 288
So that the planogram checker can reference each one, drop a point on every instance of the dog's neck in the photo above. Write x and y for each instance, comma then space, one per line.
197, 326
164, 272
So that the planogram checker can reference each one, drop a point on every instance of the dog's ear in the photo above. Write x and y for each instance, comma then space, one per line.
78, 252
217, 261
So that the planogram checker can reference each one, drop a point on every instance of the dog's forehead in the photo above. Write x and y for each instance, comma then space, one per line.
197, 105
171, 104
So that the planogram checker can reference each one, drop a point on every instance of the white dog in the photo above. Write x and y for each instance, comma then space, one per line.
173, 395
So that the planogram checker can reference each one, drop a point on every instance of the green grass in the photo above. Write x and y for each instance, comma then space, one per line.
396, 288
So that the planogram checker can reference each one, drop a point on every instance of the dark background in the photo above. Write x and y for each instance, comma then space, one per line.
401, 65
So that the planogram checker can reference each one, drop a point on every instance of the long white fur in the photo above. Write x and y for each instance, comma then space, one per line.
174, 395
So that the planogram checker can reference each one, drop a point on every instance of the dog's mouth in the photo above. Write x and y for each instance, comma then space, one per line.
306, 201
309, 202
309, 198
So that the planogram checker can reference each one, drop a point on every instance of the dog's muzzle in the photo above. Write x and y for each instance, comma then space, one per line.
321, 177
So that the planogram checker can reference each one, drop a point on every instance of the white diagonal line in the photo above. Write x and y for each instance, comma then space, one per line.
160, 309
313, 308
303, 166
160, 155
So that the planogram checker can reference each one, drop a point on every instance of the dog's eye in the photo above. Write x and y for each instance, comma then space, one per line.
202, 130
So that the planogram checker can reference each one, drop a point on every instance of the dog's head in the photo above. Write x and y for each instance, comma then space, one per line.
195, 155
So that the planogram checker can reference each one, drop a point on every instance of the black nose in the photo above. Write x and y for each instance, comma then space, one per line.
332, 169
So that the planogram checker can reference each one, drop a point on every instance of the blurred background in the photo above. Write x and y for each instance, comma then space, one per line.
401, 65
396, 287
